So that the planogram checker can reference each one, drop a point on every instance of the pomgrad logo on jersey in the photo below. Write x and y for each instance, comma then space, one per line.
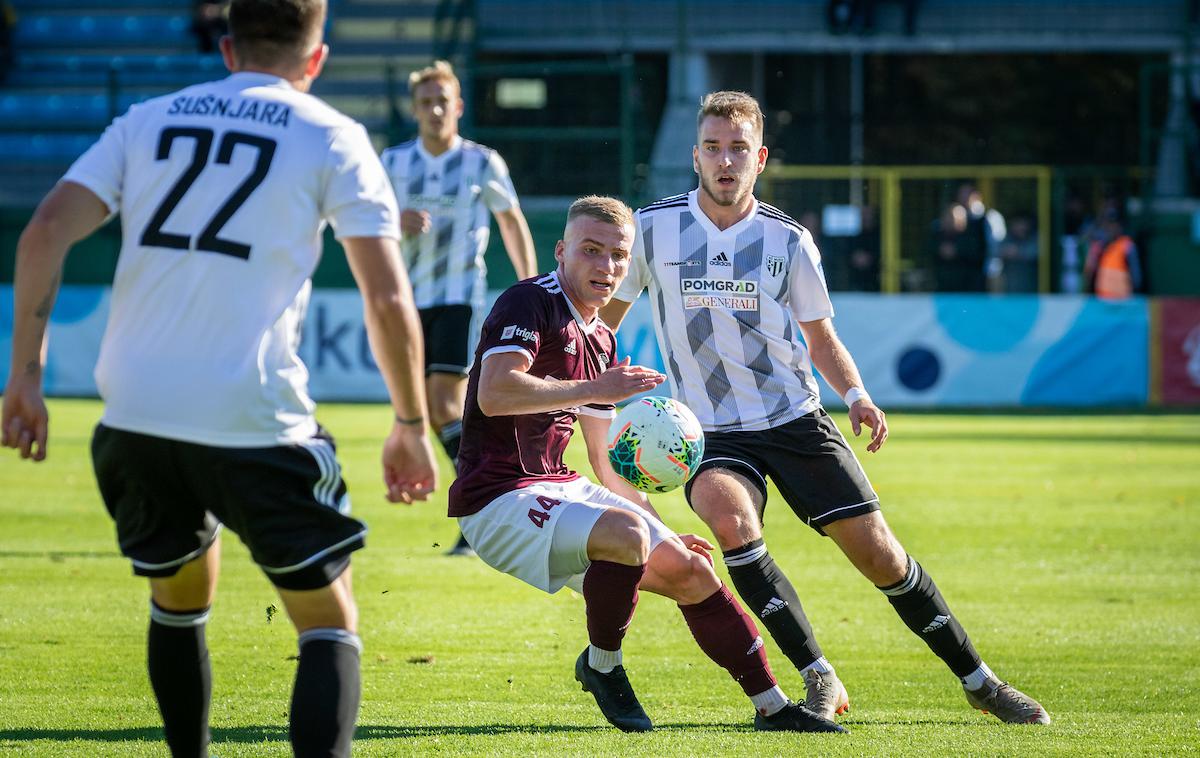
518, 331
727, 294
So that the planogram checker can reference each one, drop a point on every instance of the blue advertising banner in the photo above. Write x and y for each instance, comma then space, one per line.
913, 350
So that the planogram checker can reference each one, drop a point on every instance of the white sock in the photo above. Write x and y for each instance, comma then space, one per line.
770, 702
603, 661
820, 665
979, 677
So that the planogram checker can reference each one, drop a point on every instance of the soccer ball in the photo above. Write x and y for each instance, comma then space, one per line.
655, 444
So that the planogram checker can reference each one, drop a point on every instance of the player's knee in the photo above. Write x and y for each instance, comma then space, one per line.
884, 566
620, 536
688, 574
728, 511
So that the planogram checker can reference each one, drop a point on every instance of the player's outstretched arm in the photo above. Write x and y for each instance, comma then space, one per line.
833, 360
507, 389
394, 331
68, 214
514, 230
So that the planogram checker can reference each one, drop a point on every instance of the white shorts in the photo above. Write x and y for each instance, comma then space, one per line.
539, 533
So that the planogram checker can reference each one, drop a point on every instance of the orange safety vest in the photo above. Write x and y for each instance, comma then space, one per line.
1113, 280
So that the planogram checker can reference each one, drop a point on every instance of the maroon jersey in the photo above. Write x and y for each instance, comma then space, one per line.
499, 454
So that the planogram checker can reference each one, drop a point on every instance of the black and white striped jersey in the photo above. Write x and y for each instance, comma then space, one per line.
725, 305
457, 188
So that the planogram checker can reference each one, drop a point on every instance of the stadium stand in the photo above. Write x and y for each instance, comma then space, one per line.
80, 63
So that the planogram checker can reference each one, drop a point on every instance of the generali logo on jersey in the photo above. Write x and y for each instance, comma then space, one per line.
518, 331
726, 294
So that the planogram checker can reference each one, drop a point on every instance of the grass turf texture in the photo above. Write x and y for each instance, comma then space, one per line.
1067, 546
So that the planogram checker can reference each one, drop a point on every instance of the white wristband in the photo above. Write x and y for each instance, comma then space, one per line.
853, 395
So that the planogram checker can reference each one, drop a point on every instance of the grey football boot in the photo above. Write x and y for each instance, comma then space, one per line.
825, 694
1007, 703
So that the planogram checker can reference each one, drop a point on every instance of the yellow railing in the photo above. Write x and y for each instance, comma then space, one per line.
888, 183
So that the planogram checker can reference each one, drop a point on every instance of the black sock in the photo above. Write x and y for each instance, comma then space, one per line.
770, 596
451, 435
325, 697
177, 657
920, 605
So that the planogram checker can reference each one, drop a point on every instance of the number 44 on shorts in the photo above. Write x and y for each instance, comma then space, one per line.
539, 518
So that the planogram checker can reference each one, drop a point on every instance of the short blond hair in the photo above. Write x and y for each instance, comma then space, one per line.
732, 105
610, 210
439, 71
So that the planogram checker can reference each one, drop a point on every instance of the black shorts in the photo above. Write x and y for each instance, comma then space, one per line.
448, 338
169, 499
809, 461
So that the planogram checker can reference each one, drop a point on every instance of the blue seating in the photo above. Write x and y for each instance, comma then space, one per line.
101, 6
43, 148
50, 70
58, 112
102, 31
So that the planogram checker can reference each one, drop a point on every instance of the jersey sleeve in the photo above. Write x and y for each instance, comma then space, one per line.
638, 276
358, 199
808, 296
102, 168
498, 192
515, 325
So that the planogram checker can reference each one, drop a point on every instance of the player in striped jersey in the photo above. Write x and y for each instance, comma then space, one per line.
223, 190
734, 285
446, 186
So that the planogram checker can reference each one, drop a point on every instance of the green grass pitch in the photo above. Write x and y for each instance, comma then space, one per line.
1068, 545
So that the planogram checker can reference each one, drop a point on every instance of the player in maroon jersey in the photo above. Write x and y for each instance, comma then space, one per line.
544, 360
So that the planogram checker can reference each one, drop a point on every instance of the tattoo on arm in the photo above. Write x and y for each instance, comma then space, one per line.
47, 304
32, 368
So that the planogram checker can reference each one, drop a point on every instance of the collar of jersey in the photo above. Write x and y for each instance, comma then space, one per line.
586, 328
709, 226
455, 144
259, 78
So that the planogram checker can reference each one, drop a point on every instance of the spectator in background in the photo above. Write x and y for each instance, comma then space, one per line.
964, 240
864, 253
1077, 228
858, 16
1112, 270
1014, 269
210, 22
851, 262
952, 253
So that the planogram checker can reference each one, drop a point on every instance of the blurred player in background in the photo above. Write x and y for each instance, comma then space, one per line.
446, 186
734, 285
544, 361
223, 190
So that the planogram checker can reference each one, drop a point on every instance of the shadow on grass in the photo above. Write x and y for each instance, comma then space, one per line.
279, 733
59, 555
139, 734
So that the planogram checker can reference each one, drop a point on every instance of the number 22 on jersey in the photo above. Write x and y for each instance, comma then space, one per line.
202, 140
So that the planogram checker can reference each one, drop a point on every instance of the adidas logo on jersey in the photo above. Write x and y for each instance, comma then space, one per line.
758, 643
570, 349
938, 622
720, 259
775, 604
